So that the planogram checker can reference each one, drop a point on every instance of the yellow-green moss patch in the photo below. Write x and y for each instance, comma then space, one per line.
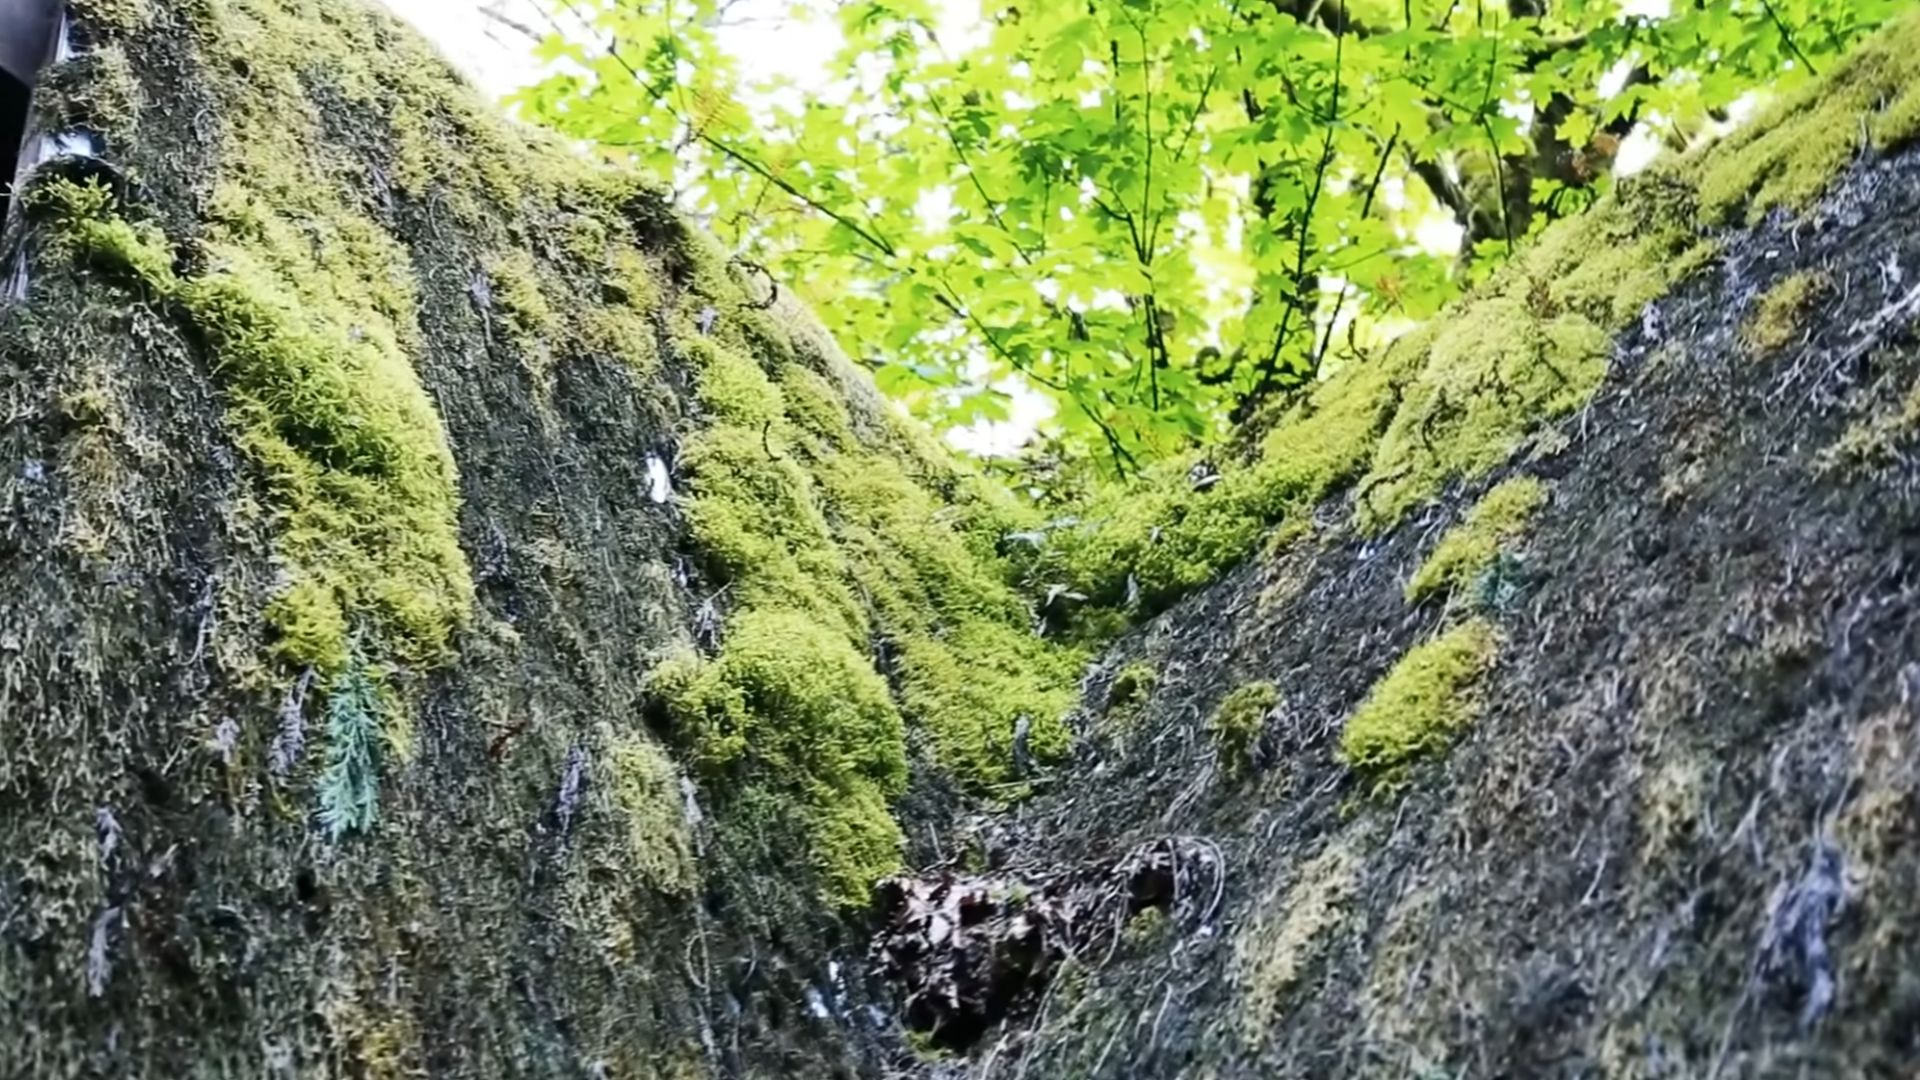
1236, 722
1786, 156
791, 704
1419, 706
1289, 930
324, 401
646, 790
1500, 517
1779, 317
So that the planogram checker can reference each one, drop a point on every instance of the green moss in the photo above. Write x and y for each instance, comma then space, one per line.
326, 404
1878, 439
1131, 687
123, 16
1786, 156
1418, 707
1146, 929
1491, 377
646, 789
96, 91
791, 706
515, 285
1236, 723
1780, 316
1469, 548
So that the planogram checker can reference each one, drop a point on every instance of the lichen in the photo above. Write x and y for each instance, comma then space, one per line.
1780, 315
1419, 706
1236, 722
1501, 516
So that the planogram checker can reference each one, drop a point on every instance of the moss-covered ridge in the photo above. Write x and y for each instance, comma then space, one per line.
858, 562
854, 561
1458, 396
653, 595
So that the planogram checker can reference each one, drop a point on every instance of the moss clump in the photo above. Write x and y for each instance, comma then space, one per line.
1131, 688
790, 706
1469, 548
796, 508
825, 519
1878, 439
324, 401
1780, 316
646, 791
514, 283
1236, 722
1147, 928
1420, 705
1488, 381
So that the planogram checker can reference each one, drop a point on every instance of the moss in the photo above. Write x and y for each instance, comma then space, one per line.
646, 791
96, 91
1236, 723
1786, 156
123, 16
326, 404
1288, 930
1147, 928
1878, 439
790, 703
1469, 548
514, 283
1418, 707
1780, 316
1131, 687
1491, 377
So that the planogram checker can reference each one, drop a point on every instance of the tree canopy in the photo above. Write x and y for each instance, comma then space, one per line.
1159, 213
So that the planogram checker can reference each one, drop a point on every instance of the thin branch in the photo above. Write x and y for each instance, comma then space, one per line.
1786, 35
1366, 207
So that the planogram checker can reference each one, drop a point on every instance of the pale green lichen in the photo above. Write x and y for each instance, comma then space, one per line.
1501, 516
1288, 931
1421, 705
1236, 723
1780, 316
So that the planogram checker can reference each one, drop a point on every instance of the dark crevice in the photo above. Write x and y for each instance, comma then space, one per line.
15, 97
